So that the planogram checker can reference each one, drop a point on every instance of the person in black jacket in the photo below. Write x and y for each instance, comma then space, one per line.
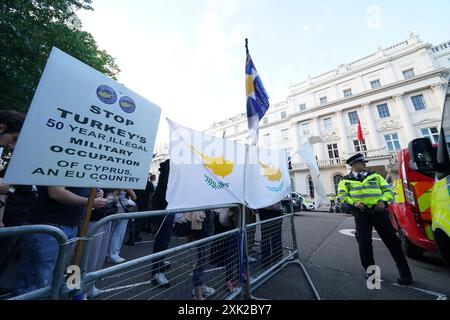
135, 226
164, 233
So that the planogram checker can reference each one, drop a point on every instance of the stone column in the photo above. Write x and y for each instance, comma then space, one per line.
343, 134
296, 158
318, 147
370, 122
390, 67
438, 93
410, 132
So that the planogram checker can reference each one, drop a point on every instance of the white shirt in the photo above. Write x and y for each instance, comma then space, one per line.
363, 173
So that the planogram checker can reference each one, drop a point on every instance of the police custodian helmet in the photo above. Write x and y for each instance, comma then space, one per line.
356, 157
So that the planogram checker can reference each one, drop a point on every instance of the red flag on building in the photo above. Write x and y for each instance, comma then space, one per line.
360, 134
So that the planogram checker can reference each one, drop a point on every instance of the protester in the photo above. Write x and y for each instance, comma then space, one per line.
201, 226
164, 233
125, 202
225, 251
18, 206
143, 203
11, 123
368, 195
62, 207
100, 242
271, 241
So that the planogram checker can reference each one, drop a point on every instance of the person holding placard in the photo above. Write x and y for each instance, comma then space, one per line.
10, 125
62, 207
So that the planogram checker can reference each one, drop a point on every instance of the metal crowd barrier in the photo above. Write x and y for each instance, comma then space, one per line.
51, 291
233, 263
270, 245
214, 261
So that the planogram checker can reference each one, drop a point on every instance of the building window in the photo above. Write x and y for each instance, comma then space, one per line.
328, 124
265, 121
302, 107
236, 129
305, 129
347, 93
285, 134
311, 187
360, 146
392, 142
418, 102
383, 110
431, 133
375, 84
333, 152
336, 179
267, 139
408, 74
353, 117
323, 100
283, 115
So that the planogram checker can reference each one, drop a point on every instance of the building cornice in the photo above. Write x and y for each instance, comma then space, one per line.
352, 72
439, 72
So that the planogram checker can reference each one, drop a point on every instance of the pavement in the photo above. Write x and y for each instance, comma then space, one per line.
329, 253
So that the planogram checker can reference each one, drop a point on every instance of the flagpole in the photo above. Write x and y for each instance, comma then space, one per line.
244, 240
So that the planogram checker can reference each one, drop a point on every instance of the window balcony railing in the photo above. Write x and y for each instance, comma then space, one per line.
381, 153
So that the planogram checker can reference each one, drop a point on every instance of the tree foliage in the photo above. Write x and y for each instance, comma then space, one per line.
28, 31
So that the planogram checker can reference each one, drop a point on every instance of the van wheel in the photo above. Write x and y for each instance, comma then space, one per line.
410, 250
304, 208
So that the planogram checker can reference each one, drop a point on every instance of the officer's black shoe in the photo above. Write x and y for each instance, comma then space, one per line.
404, 281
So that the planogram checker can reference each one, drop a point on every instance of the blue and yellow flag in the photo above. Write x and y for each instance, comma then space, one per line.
257, 98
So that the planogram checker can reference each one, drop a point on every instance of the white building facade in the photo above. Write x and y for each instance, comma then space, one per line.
397, 93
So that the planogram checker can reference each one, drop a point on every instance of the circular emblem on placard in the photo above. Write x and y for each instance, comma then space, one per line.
106, 94
127, 104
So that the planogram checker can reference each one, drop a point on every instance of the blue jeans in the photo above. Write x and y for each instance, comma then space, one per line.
38, 259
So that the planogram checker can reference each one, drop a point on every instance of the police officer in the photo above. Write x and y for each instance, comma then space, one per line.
368, 195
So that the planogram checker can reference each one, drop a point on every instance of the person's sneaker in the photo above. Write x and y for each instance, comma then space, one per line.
94, 293
206, 291
404, 281
116, 260
160, 280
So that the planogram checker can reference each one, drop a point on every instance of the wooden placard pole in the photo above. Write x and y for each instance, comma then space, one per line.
84, 226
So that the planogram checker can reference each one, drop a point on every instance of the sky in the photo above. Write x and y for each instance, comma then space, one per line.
188, 56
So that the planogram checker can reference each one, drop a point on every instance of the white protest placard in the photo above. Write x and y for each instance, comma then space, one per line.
84, 130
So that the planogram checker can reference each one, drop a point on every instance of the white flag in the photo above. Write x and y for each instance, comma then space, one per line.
206, 170
306, 151
267, 177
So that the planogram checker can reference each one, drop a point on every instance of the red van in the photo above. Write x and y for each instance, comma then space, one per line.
410, 213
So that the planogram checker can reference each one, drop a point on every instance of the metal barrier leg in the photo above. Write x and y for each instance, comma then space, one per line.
291, 258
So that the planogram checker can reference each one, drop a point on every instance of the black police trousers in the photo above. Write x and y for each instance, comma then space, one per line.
365, 221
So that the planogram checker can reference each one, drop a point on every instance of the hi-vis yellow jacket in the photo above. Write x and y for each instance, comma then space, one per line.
369, 191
